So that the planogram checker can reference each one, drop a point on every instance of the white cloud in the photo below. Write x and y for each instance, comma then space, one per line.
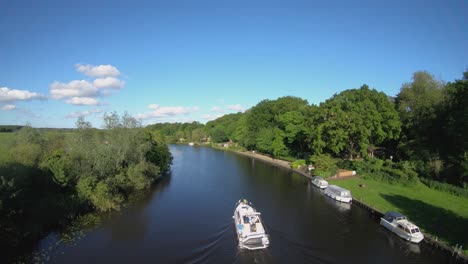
83, 113
216, 109
98, 71
12, 95
82, 101
211, 117
86, 92
8, 107
108, 82
166, 111
76, 88
236, 107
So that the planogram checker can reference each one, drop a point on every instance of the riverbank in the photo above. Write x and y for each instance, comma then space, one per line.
426, 203
273, 161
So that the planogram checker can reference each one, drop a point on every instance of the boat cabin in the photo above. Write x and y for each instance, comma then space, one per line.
338, 191
394, 216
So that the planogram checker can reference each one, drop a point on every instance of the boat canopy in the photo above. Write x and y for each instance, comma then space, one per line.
394, 215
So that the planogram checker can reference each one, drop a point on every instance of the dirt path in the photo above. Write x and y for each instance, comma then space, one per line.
277, 162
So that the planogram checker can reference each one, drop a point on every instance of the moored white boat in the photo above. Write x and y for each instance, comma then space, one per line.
249, 227
338, 193
319, 182
398, 224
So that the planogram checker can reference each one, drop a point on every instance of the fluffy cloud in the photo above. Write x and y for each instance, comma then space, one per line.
108, 82
12, 95
98, 71
85, 92
166, 111
211, 117
83, 113
236, 107
216, 109
82, 101
77, 88
8, 107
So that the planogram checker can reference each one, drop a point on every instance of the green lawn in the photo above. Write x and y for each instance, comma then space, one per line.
440, 214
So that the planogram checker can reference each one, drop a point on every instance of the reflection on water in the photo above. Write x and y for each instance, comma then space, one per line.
339, 205
187, 218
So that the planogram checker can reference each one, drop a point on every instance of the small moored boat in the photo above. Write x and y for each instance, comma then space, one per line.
338, 193
249, 228
319, 182
398, 224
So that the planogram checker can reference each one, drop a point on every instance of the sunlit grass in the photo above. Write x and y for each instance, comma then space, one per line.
440, 214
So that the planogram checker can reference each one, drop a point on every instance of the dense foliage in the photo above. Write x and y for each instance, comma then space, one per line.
47, 178
423, 127
180, 132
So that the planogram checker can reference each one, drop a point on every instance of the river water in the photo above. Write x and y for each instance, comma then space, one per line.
187, 218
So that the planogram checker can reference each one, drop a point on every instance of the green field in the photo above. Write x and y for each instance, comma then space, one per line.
442, 215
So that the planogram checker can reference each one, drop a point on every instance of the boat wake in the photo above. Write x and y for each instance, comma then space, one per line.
202, 251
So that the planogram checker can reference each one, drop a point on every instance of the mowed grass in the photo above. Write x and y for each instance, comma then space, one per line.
442, 215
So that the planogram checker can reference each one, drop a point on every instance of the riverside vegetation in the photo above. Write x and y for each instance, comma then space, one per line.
417, 141
50, 177
414, 143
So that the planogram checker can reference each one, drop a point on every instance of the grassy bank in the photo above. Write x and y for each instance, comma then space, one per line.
437, 213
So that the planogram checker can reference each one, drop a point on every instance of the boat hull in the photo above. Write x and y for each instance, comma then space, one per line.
411, 238
248, 232
338, 198
317, 184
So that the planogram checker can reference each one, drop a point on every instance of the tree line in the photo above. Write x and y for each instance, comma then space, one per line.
422, 130
49, 177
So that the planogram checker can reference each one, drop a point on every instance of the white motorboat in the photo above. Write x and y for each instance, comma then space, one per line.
338, 193
249, 227
398, 224
319, 182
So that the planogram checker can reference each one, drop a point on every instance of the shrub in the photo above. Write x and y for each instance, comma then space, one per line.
298, 163
445, 187
387, 171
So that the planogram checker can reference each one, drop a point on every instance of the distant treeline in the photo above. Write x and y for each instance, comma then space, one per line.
9, 128
422, 130
48, 177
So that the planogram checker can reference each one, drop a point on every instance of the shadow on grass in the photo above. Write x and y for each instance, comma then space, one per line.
440, 222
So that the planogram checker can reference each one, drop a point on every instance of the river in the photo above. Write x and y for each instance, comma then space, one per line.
187, 218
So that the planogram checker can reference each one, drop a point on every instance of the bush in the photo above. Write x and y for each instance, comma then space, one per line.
298, 163
324, 162
387, 171
445, 187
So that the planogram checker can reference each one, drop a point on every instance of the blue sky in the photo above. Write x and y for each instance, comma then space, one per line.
168, 61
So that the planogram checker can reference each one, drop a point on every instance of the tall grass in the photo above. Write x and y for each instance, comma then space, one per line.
445, 187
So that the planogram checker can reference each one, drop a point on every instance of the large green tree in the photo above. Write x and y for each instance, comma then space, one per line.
352, 121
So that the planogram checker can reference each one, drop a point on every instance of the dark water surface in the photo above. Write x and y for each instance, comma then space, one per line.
187, 218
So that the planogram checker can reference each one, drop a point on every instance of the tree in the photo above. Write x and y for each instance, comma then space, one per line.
450, 136
417, 103
348, 123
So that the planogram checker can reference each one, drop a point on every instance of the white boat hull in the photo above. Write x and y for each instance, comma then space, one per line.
338, 198
400, 233
250, 231
320, 184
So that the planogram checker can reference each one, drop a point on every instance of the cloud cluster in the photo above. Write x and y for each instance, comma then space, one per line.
8, 107
98, 71
84, 113
166, 111
86, 92
10, 96
220, 111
